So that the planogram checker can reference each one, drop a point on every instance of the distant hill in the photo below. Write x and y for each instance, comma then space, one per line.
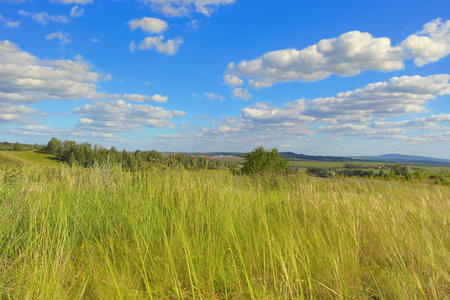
292, 155
386, 158
400, 158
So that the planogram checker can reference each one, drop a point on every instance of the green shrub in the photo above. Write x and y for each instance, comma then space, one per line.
261, 162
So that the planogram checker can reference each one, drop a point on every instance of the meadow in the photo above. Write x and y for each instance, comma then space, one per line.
106, 233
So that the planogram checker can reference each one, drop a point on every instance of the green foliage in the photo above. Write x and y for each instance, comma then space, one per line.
320, 172
53, 145
399, 170
84, 155
261, 162
5, 146
346, 171
443, 178
353, 166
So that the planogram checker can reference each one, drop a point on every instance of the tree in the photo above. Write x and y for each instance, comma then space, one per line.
53, 145
399, 170
261, 162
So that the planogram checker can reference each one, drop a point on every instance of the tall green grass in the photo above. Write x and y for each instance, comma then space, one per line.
102, 233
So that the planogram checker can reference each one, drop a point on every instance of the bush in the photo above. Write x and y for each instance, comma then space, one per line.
320, 172
261, 162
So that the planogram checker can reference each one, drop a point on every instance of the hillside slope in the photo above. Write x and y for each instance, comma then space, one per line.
34, 157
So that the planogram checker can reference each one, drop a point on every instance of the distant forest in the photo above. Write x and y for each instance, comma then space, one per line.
5, 146
85, 155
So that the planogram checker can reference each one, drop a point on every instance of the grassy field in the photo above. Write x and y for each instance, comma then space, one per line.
34, 157
374, 165
102, 233
304, 164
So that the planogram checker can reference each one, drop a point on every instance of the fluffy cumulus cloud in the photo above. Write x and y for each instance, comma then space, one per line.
73, 1
60, 36
431, 44
118, 115
25, 79
362, 113
177, 8
44, 18
232, 80
364, 132
44, 131
399, 96
159, 98
151, 25
393, 130
346, 55
240, 93
170, 47
145, 98
291, 113
423, 123
17, 114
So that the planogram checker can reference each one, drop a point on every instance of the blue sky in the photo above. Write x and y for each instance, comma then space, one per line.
312, 77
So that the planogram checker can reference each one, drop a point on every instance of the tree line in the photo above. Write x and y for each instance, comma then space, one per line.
5, 146
85, 155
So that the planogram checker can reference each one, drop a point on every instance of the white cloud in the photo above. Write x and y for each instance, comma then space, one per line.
151, 25
26, 79
73, 1
431, 44
170, 47
136, 97
17, 114
193, 25
212, 96
8, 23
232, 80
159, 98
394, 130
76, 12
132, 46
346, 55
398, 96
177, 8
364, 132
11, 24
95, 40
240, 93
38, 130
360, 113
24, 13
423, 123
171, 10
292, 112
44, 18
58, 35
121, 116
145, 98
